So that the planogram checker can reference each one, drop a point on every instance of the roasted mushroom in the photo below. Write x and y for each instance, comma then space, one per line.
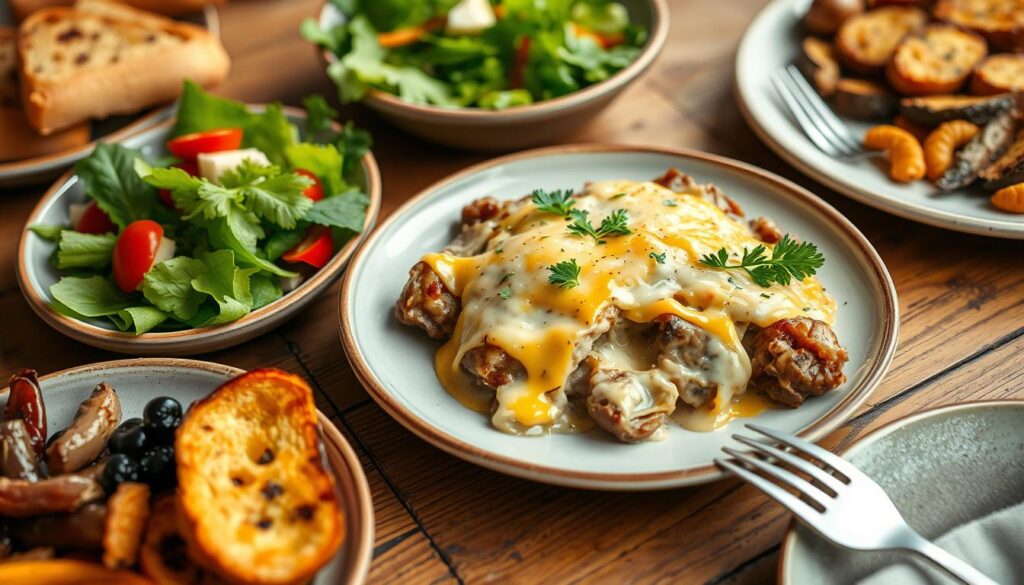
86, 437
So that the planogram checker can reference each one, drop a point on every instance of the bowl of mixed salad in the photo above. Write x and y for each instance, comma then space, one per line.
202, 232
487, 74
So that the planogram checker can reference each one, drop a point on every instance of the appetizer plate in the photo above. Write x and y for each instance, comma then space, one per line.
138, 381
521, 127
36, 274
931, 465
771, 42
395, 362
114, 129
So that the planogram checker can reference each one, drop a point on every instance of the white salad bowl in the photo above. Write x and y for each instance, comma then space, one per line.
36, 274
138, 381
395, 362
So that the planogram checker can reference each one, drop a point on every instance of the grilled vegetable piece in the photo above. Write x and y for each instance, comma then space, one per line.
824, 17
936, 60
942, 143
1008, 168
127, 511
989, 144
18, 459
66, 572
163, 557
933, 110
997, 74
1010, 199
906, 158
1001, 22
866, 42
25, 402
256, 504
817, 61
64, 493
86, 437
863, 100
80, 530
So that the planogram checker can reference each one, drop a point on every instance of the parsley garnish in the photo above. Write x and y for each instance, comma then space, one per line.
612, 225
505, 293
558, 202
565, 274
789, 259
659, 258
670, 203
618, 195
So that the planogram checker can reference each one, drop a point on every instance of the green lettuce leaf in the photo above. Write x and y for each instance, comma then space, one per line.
345, 211
265, 289
138, 319
93, 296
110, 179
227, 284
168, 285
78, 250
319, 114
323, 160
47, 231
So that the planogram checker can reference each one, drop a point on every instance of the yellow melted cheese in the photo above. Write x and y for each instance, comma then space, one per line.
540, 324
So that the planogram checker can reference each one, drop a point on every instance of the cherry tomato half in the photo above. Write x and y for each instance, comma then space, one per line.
25, 402
94, 221
135, 251
314, 191
315, 249
192, 145
190, 167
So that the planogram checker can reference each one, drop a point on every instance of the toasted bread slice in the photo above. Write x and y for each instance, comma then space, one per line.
9, 96
936, 60
23, 8
255, 502
1001, 22
866, 42
1007, 169
997, 74
77, 65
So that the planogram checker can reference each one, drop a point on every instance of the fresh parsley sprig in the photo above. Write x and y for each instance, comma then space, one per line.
559, 202
565, 274
789, 259
616, 224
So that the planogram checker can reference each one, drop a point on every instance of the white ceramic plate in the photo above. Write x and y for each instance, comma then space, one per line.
39, 169
395, 362
942, 468
772, 42
36, 274
138, 381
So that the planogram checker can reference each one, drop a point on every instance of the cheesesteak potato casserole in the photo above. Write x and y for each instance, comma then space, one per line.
624, 305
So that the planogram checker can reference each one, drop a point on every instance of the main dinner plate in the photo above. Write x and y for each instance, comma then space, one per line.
395, 362
137, 381
942, 468
771, 42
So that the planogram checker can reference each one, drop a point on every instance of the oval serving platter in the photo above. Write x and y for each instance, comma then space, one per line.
395, 362
139, 380
771, 42
36, 274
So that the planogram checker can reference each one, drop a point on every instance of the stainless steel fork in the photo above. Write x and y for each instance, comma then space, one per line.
815, 118
835, 499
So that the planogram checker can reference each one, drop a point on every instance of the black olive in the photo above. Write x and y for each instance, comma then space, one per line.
158, 467
119, 469
162, 415
129, 438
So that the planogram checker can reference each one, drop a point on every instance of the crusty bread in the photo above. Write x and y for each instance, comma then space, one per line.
23, 8
76, 65
936, 60
997, 74
255, 503
999, 21
866, 42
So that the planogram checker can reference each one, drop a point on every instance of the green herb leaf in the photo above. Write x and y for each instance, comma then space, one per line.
565, 274
265, 289
319, 114
505, 293
345, 211
615, 224
227, 284
353, 143
110, 179
324, 161
558, 202
789, 259
659, 258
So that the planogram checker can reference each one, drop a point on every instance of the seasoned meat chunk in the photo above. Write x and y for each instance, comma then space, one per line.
427, 303
685, 347
492, 365
483, 209
630, 405
765, 230
680, 182
792, 359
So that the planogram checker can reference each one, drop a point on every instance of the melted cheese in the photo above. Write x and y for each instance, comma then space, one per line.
508, 301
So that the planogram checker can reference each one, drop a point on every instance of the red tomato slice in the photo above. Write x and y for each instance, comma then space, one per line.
95, 221
190, 167
192, 145
135, 251
315, 249
314, 191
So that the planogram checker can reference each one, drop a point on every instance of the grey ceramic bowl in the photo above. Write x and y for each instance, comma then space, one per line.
942, 468
522, 127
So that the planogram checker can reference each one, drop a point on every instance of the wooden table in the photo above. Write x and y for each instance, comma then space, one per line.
440, 519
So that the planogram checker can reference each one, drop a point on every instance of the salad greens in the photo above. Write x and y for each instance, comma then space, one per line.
228, 234
529, 51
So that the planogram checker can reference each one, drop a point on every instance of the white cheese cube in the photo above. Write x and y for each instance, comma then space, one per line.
214, 164
470, 17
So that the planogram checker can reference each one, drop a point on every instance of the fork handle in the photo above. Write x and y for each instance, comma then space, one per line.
946, 561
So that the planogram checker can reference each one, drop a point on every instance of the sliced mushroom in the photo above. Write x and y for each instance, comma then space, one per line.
65, 493
86, 437
17, 457
82, 530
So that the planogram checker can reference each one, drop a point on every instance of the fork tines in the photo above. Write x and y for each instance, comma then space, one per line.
817, 120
